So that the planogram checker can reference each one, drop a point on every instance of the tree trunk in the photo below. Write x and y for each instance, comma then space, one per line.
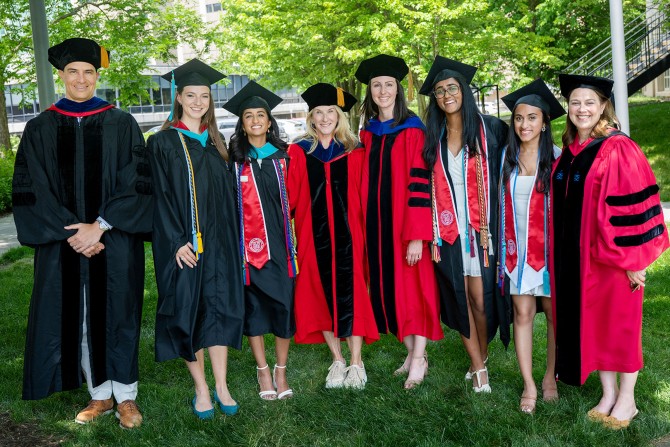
354, 87
5, 144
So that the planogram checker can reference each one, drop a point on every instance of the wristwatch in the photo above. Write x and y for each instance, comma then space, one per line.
104, 226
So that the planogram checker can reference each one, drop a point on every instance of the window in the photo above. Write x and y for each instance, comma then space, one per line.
213, 7
666, 80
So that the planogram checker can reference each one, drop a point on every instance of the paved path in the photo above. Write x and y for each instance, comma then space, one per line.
7, 233
8, 230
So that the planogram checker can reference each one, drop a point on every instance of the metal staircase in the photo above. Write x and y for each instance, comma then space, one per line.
647, 40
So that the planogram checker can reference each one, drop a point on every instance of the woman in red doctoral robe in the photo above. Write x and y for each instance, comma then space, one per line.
331, 292
607, 227
396, 196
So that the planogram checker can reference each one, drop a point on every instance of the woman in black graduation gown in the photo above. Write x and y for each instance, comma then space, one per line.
200, 303
267, 242
463, 150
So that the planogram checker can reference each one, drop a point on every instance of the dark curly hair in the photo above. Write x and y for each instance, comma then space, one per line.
240, 146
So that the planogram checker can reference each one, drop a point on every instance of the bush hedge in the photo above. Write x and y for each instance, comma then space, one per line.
6, 173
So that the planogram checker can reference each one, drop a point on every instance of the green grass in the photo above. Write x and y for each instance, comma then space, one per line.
442, 411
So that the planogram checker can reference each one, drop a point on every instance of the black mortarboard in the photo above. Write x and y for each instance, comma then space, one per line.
252, 96
381, 65
78, 50
194, 72
569, 82
323, 94
535, 94
445, 68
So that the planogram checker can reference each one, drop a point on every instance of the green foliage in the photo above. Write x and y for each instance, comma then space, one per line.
6, 173
134, 30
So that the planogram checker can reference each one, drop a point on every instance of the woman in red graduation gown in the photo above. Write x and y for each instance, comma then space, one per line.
607, 227
331, 293
463, 148
267, 242
396, 198
524, 227
200, 296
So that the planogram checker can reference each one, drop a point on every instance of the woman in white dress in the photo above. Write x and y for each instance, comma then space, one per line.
524, 206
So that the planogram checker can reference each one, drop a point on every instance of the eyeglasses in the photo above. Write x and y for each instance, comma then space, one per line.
452, 89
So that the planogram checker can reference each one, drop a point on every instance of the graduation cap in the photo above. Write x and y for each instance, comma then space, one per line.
381, 65
445, 68
569, 82
535, 94
193, 72
78, 49
252, 96
323, 94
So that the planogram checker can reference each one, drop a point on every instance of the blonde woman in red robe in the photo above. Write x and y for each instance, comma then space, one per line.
524, 229
607, 227
331, 291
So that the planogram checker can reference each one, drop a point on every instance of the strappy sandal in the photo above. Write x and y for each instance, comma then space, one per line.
284, 394
411, 383
486, 388
268, 394
527, 404
468, 375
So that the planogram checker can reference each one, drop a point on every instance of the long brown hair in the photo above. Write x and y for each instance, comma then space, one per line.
208, 118
607, 121
370, 110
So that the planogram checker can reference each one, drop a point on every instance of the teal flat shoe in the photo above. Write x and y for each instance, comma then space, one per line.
228, 410
202, 415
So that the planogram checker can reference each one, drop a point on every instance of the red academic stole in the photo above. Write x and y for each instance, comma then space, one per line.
535, 249
256, 245
477, 185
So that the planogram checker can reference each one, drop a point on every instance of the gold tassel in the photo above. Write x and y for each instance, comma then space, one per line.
410, 87
200, 247
340, 97
104, 58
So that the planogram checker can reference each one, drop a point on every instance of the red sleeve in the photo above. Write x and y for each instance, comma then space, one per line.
630, 232
296, 174
417, 223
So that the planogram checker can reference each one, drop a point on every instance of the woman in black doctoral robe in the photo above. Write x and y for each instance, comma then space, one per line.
200, 302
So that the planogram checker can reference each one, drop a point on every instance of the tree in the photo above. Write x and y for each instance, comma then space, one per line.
134, 30
300, 42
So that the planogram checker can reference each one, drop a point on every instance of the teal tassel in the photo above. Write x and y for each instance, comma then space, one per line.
546, 286
172, 96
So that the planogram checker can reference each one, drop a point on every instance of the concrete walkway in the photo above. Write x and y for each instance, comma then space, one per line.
7, 233
8, 229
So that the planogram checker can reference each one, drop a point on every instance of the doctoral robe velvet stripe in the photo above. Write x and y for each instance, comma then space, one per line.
598, 320
331, 288
70, 170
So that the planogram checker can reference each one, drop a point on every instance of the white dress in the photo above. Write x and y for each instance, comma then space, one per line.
470, 264
532, 281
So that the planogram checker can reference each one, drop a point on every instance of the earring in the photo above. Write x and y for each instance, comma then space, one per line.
269, 130
544, 128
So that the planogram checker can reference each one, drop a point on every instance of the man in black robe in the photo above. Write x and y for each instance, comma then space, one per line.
82, 198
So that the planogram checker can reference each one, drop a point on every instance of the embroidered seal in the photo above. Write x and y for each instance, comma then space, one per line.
446, 217
511, 247
256, 245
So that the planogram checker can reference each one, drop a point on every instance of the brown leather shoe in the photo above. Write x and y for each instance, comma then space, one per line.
94, 409
128, 414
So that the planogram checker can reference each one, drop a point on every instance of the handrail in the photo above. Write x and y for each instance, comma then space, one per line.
647, 40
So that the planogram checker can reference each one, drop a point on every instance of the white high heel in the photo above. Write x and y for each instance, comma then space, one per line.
265, 395
468, 375
284, 394
486, 388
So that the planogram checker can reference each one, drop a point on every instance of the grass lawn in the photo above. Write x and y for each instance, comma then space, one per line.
442, 411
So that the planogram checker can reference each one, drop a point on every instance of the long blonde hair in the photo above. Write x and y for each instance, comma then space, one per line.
342, 133
208, 118
607, 121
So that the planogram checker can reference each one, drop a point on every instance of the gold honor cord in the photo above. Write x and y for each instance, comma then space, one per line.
194, 200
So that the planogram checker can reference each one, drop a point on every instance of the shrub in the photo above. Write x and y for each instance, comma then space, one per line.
6, 173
